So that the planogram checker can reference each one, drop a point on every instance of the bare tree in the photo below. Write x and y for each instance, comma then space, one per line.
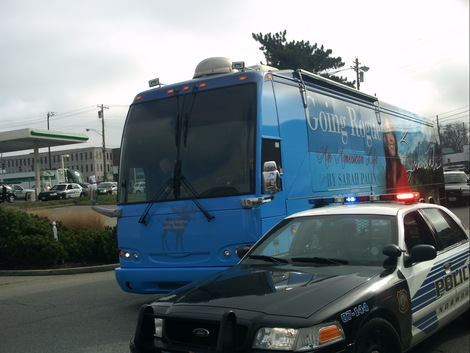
454, 135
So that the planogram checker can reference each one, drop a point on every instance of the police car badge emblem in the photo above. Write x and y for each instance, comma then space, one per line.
403, 303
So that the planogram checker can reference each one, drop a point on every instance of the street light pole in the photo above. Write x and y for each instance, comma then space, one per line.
101, 116
63, 167
359, 72
49, 114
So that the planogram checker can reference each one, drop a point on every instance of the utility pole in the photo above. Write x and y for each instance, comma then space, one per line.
359, 72
49, 114
101, 116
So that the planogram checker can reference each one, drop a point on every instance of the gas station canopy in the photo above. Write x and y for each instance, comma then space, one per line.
33, 139
27, 139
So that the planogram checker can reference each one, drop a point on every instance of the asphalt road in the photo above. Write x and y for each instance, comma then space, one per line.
85, 313
89, 313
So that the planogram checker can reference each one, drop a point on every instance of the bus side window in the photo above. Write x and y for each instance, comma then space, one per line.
271, 151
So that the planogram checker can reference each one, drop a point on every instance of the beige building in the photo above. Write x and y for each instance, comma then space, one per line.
89, 161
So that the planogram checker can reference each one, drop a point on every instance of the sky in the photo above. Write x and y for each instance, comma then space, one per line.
66, 57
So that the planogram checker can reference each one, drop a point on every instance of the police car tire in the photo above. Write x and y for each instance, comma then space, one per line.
377, 336
466, 317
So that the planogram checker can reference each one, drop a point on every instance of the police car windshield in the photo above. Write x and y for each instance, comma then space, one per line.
58, 187
330, 240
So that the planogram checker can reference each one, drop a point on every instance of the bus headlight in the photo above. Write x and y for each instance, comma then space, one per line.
302, 339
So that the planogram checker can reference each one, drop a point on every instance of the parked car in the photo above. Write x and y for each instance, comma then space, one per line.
9, 193
371, 277
139, 187
21, 192
107, 188
62, 191
457, 185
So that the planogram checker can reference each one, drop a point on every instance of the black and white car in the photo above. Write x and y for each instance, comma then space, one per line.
365, 277
62, 191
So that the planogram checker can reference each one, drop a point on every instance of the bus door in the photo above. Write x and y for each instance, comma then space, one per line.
272, 182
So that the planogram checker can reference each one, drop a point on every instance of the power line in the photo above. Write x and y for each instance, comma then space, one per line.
454, 114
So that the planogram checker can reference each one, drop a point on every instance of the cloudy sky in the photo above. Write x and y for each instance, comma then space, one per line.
67, 57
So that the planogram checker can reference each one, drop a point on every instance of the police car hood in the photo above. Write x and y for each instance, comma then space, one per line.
275, 290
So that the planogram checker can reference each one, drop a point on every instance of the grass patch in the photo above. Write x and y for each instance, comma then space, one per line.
86, 219
103, 199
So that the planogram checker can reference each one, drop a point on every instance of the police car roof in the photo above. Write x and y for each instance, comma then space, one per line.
375, 208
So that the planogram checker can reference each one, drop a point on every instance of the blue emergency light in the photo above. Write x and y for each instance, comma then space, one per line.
409, 197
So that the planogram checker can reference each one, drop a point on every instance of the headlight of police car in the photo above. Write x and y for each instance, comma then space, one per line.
302, 339
158, 327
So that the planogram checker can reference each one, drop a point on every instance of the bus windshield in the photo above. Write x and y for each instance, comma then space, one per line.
196, 145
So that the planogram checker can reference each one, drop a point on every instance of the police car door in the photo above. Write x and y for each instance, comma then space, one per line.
422, 277
453, 258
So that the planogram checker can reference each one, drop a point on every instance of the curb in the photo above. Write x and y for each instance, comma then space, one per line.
59, 271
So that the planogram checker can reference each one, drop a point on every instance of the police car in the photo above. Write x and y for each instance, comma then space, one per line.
359, 277
62, 191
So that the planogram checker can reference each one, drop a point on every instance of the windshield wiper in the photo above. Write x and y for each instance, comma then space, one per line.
195, 195
272, 259
170, 184
320, 260
165, 190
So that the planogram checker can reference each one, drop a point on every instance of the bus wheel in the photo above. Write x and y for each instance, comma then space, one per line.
377, 336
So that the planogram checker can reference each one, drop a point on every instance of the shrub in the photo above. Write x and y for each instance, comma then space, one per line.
35, 250
27, 241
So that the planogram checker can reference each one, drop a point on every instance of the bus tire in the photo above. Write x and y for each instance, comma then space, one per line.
377, 336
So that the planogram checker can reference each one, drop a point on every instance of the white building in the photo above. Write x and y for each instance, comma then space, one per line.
89, 161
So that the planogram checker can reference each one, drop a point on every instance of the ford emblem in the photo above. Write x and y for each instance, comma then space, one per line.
201, 332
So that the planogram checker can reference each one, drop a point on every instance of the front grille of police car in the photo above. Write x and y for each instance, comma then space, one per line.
201, 333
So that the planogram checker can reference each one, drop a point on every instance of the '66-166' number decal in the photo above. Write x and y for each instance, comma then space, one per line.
354, 312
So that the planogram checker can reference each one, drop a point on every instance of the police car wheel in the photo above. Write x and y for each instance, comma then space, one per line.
377, 336
466, 317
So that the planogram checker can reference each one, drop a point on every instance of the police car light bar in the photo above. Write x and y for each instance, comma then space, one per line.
409, 197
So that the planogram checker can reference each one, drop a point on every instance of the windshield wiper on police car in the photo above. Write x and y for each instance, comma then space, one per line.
272, 259
320, 260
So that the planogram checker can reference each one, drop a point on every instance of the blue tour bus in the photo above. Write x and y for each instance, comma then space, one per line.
209, 165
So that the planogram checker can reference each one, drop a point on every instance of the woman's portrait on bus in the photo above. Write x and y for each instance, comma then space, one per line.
396, 178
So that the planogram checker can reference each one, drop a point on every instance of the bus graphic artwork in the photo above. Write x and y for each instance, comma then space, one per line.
175, 226
243, 148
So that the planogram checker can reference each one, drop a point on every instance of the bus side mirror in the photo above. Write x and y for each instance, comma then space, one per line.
271, 178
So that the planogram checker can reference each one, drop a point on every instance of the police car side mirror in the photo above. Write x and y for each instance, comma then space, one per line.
420, 253
392, 250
